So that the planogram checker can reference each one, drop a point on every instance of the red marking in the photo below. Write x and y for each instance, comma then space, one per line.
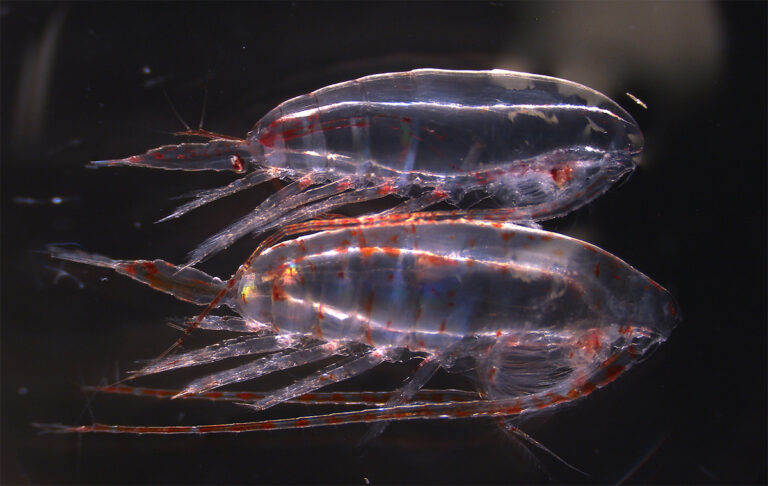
368, 305
332, 420
320, 314
512, 410
612, 372
389, 324
340, 274
436, 260
633, 352
301, 423
546, 238
368, 251
394, 238
159, 155
671, 310
554, 398
421, 344
498, 333
391, 277
597, 270
472, 243
389, 251
418, 314
406, 119
531, 237
237, 164
301, 245
295, 129
442, 326
214, 394
413, 228
386, 189
492, 373
497, 225
278, 293
451, 294
248, 396
561, 175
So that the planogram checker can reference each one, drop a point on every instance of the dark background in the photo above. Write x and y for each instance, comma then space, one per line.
86, 81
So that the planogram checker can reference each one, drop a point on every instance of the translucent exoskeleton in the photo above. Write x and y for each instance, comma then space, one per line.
536, 318
539, 145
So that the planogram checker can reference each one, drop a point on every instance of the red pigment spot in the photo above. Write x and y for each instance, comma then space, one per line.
389, 324
492, 373
366, 252
406, 119
513, 410
304, 183
442, 326
472, 243
337, 397
597, 270
159, 155
386, 189
340, 274
421, 344
418, 314
671, 310
278, 293
394, 238
497, 225
546, 238
498, 333
332, 420
214, 394
389, 251
368, 306
561, 175
612, 372
247, 396
451, 294
237, 163
391, 277
531, 237
435, 260
301, 423
320, 314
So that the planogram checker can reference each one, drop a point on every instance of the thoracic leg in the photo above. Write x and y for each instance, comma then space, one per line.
208, 195
247, 224
379, 398
339, 371
263, 366
240, 346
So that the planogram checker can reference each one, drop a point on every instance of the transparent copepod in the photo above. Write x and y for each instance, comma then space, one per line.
538, 145
538, 319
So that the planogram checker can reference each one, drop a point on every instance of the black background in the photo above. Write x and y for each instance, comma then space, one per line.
86, 81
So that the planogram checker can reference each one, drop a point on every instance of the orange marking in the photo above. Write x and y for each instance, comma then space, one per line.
278, 293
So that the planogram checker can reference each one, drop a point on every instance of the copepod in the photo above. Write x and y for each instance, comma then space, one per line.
536, 318
539, 145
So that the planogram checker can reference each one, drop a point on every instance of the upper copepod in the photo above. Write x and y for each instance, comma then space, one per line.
539, 319
540, 145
